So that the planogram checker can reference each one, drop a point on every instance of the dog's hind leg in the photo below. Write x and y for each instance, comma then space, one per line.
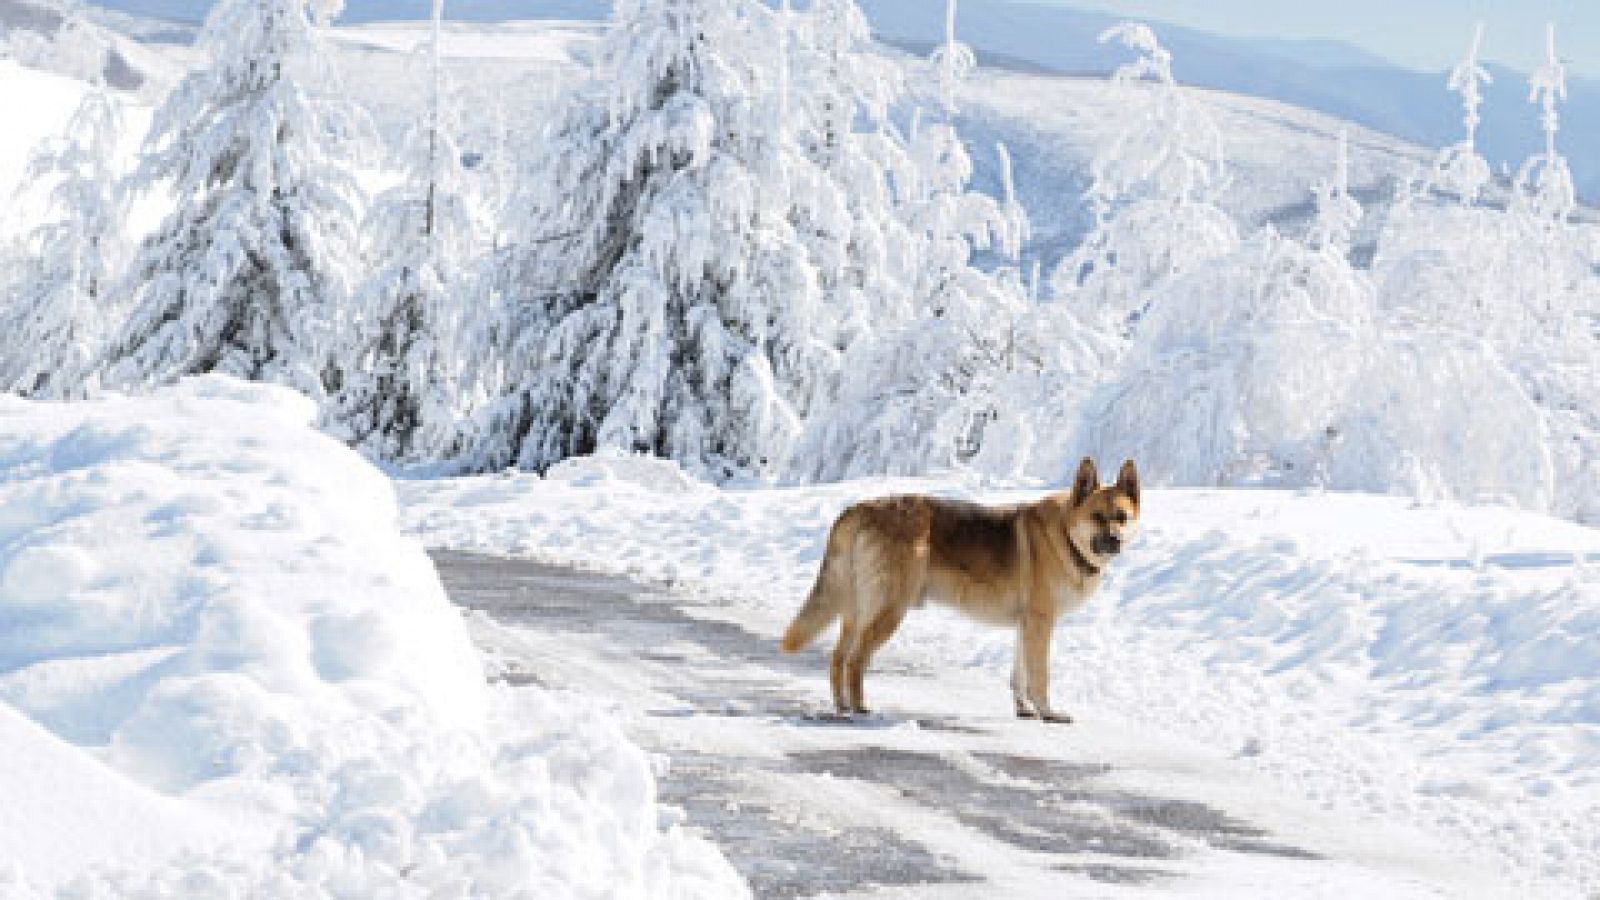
841, 657
1019, 681
901, 588
874, 635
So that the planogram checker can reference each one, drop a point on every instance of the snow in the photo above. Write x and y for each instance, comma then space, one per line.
1431, 666
51, 101
66, 811
225, 666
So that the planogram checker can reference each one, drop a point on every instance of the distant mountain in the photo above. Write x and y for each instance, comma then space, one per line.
359, 11
1326, 76
41, 34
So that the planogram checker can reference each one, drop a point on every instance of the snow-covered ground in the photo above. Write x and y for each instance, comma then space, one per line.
227, 673
1433, 666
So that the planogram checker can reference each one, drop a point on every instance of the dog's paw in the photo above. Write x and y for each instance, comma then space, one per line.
1055, 718
1027, 714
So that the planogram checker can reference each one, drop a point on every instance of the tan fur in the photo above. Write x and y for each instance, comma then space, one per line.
1022, 566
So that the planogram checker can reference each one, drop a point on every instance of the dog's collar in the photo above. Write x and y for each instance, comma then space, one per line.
1080, 559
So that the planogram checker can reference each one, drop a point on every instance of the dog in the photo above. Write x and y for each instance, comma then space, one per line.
1022, 566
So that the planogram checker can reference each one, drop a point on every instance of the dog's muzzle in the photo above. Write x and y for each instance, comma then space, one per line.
1106, 545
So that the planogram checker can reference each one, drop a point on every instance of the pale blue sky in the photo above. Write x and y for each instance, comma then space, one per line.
1423, 34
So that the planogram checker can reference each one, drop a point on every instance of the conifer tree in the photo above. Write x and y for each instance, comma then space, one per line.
250, 275
401, 375
65, 297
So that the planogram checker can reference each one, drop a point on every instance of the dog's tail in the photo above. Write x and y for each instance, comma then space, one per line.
827, 592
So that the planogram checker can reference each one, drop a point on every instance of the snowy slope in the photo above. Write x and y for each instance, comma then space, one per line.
46, 34
1052, 126
241, 677
1432, 666
1329, 77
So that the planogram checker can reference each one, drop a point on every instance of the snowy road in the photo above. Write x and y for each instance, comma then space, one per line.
933, 801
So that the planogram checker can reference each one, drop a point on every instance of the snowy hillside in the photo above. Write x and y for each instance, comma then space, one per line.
40, 33
1329, 77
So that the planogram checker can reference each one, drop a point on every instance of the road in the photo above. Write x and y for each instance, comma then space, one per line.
950, 798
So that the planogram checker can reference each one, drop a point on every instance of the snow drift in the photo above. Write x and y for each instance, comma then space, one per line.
209, 604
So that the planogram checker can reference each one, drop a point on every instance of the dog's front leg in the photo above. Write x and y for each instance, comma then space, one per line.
1036, 632
1019, 681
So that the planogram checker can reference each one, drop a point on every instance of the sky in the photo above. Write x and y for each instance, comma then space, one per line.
1430, 35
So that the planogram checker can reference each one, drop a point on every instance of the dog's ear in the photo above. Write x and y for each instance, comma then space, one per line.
1128, 481
1086, 482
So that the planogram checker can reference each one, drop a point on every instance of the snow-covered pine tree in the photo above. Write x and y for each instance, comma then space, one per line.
1154, 191
400, 384
659, 301
250, 274
705, 234
64, 297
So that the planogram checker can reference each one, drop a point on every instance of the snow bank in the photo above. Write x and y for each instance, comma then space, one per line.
209, 607
1431, 665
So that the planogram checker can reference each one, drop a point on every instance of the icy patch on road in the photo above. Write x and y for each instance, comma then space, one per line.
1426, 665
244, 681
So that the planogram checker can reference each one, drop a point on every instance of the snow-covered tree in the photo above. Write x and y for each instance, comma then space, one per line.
660, 300
1544, 185
1243, 370
1154, 191
714, 227
1499, 305
1460, 169
64, 295
251, 272
400, 377
952, 61
928, 393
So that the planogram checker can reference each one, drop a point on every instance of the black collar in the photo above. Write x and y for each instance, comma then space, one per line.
1080, 559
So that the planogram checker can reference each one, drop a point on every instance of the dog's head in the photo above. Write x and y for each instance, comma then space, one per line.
1101, 520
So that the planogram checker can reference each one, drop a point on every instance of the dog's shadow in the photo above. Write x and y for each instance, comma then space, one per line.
880, 721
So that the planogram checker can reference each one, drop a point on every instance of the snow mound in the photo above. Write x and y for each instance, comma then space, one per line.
215, 600
647, 472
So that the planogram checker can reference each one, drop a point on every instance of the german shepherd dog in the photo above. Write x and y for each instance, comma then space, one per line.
1022, 566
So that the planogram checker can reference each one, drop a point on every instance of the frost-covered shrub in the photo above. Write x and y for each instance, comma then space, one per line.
1439, 416
1518, 290
1241, 370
